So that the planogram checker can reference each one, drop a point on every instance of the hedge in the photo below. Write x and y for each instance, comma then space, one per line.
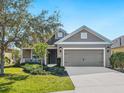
117, 60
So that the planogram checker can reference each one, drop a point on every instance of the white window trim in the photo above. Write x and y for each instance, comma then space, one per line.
104, 57
83, 35
59, 34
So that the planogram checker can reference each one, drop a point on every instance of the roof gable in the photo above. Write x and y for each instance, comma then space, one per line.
89, 38
104, 39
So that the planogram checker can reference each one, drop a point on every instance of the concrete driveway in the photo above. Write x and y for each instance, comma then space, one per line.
96, 80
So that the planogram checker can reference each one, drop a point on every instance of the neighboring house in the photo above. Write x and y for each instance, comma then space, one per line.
83, 47
118, 44
9, 53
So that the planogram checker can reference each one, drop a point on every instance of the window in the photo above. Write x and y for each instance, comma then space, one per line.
83, 35
60, 34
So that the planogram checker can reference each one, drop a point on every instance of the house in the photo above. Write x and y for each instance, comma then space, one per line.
83, 47
118, 44
29, 55
9, 52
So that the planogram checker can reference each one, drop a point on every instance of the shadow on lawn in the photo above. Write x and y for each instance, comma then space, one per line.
5, 87
16, 77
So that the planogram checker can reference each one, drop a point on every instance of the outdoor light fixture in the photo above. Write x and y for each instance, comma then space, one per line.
108, 48
60, 49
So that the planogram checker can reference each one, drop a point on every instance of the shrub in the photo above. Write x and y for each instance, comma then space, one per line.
35, 69
117, 60
17, 64
39, 71
57, 70
30, 67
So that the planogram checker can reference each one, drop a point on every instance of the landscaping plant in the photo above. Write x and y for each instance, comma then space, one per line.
117, 60
35, 69
41, 51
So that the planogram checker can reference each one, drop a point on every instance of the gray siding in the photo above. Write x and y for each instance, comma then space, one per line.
118, 42
122, 40
90, 38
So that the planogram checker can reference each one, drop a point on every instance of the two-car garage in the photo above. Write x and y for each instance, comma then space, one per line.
84, 47
83, 57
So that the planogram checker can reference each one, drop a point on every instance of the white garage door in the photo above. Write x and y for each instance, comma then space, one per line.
83, 57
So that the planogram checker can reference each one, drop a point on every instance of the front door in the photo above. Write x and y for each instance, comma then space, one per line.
52, 56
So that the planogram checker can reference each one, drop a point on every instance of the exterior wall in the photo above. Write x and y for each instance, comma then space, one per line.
9, 55
118, 45
77, 38
122, 40
107, 54
118, 42
119, 49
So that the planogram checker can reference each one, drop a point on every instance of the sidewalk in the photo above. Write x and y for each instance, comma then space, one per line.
71, 91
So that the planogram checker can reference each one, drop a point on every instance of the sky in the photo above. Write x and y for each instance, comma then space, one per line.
103, 16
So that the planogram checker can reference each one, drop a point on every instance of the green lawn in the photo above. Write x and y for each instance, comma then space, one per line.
17, 81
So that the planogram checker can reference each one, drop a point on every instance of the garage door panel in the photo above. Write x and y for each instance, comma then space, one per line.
83, 58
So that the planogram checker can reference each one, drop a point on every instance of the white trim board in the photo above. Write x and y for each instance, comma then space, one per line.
89, 30
83, 43
104, 57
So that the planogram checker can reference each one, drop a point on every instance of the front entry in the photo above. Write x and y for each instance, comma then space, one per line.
52, 56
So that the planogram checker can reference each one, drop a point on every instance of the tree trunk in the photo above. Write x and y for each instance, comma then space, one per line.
2, 50
41, 62
2, 62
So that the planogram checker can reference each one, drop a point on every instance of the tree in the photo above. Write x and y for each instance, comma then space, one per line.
14, 23
21, 28
41, 50
44, 26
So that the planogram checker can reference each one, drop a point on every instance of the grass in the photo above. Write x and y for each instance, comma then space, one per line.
17, 81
